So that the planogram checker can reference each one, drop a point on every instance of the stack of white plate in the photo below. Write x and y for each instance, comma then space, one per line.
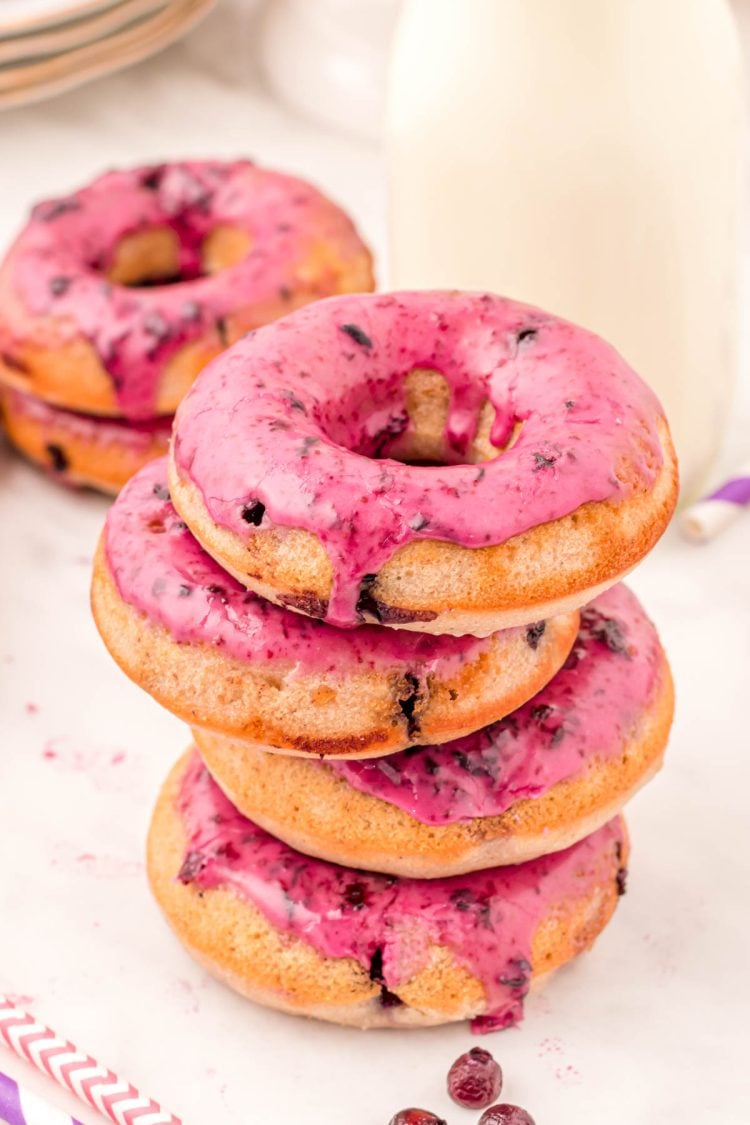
47, 46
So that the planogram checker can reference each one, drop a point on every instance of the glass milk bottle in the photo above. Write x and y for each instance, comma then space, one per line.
584, 156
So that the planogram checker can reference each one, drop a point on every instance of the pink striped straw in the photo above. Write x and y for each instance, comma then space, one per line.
82, 1075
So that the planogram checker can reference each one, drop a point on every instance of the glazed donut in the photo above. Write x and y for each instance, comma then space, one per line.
438, 461
222, 658
370, 950
81, 449
113, 298
535, 782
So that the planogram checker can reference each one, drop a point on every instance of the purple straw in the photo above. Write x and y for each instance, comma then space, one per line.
19, 1107
736, 491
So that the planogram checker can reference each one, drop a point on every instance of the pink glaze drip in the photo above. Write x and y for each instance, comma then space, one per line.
61, 258
281, 417
587, 712
89, 427
162, 571
487, 919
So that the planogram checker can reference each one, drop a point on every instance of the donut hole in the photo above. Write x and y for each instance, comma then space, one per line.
158, 256
416, 431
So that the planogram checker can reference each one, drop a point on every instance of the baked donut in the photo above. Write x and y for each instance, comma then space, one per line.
112, 299
370, 950
535, 782
227, 660
439, 461
81, 449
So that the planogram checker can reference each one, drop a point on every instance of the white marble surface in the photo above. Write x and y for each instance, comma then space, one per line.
650, 1028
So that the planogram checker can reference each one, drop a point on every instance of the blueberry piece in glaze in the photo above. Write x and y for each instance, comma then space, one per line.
59, 285
58, 457
192, 865
52, 209
606, 630
357, 334
253, 512
408, 702
542, 461
355, 896
534, 634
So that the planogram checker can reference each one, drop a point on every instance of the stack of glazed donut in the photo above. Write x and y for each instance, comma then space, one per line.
379, 575
112, 300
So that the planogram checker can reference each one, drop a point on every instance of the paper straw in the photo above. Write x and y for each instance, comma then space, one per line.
82, 1075
21, 1107
705, 519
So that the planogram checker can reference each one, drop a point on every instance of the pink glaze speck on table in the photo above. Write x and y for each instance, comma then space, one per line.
586, 713
297, 421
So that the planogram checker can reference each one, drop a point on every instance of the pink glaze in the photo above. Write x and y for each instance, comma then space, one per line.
118, 432
588, 712
301, 417
59, 262
161, 570
487, 919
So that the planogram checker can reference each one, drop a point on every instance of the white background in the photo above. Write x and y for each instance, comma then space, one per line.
650, 1028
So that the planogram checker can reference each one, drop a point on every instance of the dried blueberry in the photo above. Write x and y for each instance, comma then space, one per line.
416, 1117
162, 493
506, 1114
475, 1079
